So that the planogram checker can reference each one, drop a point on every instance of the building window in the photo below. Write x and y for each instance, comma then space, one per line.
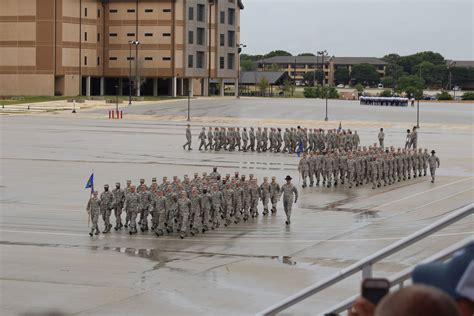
112, 58
190, 37
222, 40
85, 11
231, 16
148, 58
230, 61
85, 60
113, 11
200, 36
191, 13
85, 36
222, 63
148, 34
148, 10
200, 13
166, 10
98, 13
231, 38
200, 60
130, 34
113, 34
167, 58
130, 58
98, 37
190, 61
222, 17
166, 34
98, 61
131, 10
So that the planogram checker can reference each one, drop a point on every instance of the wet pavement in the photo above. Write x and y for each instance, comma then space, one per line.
50, 264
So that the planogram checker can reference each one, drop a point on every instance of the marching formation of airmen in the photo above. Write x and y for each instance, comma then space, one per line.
362, 166
189, 206
270, 139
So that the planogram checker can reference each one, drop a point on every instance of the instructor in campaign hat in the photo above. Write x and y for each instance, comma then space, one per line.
288, 190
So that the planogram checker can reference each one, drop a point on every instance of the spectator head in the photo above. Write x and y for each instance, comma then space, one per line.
417, 300
455, 277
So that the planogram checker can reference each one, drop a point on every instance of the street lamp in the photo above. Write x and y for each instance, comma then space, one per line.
211, 4
189, 105
116, 97
239, 50
131, 43
323, 53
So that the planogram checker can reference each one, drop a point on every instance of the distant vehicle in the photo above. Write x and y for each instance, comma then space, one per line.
340, 85
380, 86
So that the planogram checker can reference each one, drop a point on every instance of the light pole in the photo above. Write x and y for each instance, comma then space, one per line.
239, 50
450, 66
130, 74
189, 105
116, 98
323, 53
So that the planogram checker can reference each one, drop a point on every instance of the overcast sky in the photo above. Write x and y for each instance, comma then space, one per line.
360, 27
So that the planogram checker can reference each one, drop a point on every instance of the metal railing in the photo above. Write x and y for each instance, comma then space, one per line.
401, 277
365, 265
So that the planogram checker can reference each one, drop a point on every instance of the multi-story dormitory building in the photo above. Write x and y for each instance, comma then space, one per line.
72, 47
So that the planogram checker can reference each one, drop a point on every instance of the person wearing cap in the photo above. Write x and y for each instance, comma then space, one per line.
245, 140
254, 196
454, 277
145, 202
119, 198
184, 207
381, 137
214, 174
142, 186
288, 190
153, 184
252, 139
433, 162
132, 207
210, 137
159, 207
93, 210
188, 138
107, 202
128, 189
202, 137
205, 209
303, 169
274, 194
265, 193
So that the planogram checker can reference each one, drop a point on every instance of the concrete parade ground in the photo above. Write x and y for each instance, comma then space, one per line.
49, 264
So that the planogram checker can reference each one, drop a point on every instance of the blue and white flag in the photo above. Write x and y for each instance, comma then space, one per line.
90, 183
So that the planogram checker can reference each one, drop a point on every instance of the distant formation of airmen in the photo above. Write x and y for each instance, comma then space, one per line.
362, 166
272, 139
189, 206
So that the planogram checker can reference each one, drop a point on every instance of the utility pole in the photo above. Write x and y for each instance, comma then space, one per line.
130, 73
322, 54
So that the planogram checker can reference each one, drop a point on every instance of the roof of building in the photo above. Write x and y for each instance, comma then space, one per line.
357, 60
318, 59
253, 77
461, 63
293, 59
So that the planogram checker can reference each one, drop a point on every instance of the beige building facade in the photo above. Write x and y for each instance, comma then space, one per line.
104, 47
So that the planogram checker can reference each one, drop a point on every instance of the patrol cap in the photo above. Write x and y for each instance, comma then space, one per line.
265, 178
196, 174
117, 183
273, 178
95, 192
129, 181
153, 179
142, 180
106, 185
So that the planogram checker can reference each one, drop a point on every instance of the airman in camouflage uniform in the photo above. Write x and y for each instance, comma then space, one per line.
93, 209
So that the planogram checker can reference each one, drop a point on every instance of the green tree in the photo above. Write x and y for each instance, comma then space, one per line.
365, 73
309, 92
411, 85
277, 53
468, 96
263, 85
359, 88
386, 93
431, 73
342, 75
287, 86
462, 76
275, 67
247, 65
387, 81
330, 92
444, 96
309, 77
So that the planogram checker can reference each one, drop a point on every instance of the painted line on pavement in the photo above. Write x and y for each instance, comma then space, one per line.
218, 239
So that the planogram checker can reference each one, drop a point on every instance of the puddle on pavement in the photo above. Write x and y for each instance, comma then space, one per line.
285, 260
